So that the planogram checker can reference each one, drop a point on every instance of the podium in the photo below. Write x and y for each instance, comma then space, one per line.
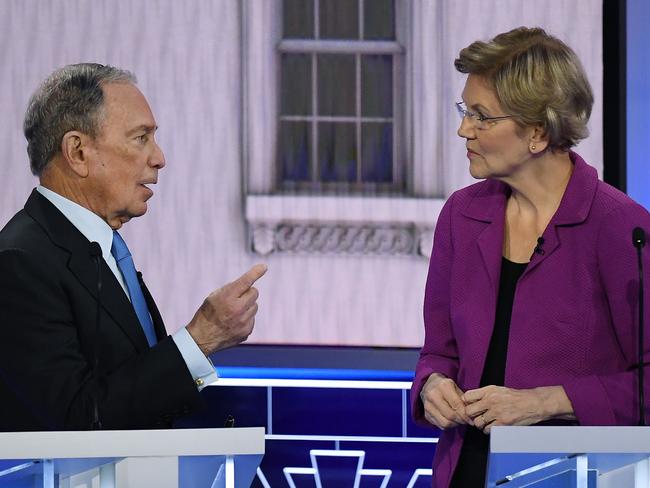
186, 458
577, 457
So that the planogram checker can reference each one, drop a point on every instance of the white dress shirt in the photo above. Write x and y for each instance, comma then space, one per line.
94, 228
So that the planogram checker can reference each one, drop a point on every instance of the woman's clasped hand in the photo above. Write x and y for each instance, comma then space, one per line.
447, 406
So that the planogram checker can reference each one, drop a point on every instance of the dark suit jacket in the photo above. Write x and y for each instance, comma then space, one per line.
48, 333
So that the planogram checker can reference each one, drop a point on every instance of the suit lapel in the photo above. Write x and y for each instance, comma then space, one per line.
486, 213
490, 243
488, 206
83, 267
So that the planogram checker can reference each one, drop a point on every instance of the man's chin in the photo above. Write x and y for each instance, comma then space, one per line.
137, 212
132, 213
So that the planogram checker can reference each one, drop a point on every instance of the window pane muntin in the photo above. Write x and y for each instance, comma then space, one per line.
339, 46
332, 118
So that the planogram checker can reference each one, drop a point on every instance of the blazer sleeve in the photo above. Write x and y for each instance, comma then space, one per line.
439, 353
612, 399
43, 362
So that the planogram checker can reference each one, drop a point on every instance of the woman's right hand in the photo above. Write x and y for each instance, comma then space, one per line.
443, 405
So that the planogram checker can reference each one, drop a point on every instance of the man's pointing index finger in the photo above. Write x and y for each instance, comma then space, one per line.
245, 281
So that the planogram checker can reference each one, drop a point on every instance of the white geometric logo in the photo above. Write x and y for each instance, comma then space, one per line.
321, 469
317, 455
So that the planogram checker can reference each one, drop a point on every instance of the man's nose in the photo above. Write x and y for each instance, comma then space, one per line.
157, 158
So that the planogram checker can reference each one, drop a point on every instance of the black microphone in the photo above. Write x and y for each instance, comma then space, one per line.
538, 248
638, 240
95, 252
638, 237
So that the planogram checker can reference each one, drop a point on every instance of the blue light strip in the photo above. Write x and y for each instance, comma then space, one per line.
638, 102
350, 438
288, 383
313, 373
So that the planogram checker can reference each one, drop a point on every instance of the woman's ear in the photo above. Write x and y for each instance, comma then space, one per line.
538, 142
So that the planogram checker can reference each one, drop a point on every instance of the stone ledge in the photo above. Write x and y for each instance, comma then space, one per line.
341, 225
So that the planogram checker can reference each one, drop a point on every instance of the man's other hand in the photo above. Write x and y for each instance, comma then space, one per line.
227, 315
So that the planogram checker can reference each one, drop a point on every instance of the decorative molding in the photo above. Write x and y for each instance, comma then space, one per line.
263, 239
316, 238
425, 241
341, 225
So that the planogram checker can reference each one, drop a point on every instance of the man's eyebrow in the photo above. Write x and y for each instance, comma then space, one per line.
146, 128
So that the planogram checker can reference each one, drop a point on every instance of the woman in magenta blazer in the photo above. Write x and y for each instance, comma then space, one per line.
531, 299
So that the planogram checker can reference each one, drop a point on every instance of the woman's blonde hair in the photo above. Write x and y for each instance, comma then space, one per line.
538, 79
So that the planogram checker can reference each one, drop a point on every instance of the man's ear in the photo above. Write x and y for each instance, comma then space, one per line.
76, 148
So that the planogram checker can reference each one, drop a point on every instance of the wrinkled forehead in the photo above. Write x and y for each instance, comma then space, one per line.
125, 107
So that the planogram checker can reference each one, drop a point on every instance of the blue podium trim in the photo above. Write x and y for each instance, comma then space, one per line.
313, 373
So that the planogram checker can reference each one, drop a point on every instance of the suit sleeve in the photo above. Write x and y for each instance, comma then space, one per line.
612, 399
439, 353
43, 361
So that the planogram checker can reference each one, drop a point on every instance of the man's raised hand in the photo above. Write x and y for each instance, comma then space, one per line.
227, 315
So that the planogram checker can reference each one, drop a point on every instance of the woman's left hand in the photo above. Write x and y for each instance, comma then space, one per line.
497, 405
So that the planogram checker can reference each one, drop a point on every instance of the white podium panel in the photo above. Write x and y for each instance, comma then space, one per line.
187, 458
580, 457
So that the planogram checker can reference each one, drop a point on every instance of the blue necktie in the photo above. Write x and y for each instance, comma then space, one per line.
121, 253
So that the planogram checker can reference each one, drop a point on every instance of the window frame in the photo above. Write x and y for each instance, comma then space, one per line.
414, 207
358, 48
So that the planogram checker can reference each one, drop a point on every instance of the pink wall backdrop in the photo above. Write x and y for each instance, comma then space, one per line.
187, 57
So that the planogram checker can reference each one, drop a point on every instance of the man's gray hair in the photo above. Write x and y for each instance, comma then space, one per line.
71, 98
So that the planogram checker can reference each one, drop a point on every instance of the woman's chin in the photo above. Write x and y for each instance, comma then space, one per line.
477, 172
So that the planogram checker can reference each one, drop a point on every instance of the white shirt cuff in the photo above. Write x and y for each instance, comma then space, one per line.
200, 366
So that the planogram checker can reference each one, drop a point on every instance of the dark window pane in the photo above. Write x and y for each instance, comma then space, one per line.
377, 149
298, 19
377, 86
296, 84
339, 19
337, 152
336, 85
379, 19
294, 151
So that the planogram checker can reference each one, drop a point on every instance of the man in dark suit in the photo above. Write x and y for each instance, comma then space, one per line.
82, 344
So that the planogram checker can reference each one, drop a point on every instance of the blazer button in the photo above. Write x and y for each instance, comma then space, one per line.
199, 381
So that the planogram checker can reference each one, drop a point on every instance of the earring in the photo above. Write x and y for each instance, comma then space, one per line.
533, 147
